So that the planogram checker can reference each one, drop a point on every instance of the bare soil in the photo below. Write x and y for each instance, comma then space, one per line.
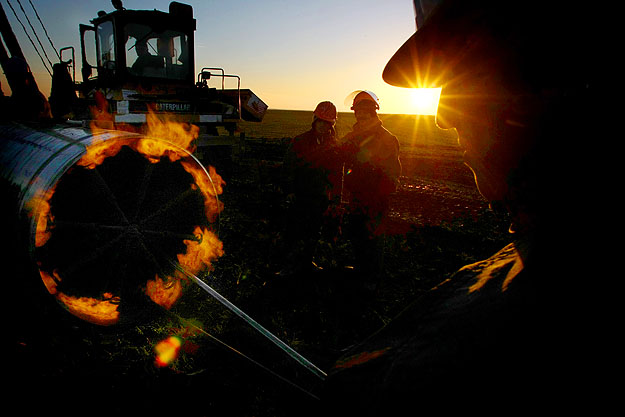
438, 223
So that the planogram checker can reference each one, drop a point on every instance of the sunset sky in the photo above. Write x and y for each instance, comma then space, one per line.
291, 53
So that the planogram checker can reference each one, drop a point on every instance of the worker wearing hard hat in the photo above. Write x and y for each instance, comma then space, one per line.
311, 182
372, 152
521, 330
371, 174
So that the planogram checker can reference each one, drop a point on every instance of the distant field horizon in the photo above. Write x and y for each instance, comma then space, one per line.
411, 130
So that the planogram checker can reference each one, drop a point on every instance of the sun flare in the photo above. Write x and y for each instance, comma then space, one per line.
425, 100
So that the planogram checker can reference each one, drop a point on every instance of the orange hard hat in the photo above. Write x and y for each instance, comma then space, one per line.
325, 111
360, 96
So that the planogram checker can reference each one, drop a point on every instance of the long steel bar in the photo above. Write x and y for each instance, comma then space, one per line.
227, 346
236, 310
96, 227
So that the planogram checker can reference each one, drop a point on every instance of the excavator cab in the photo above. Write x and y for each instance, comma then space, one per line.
145, 49
143, 61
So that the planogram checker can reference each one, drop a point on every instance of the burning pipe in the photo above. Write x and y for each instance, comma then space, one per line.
108, 213
116, 221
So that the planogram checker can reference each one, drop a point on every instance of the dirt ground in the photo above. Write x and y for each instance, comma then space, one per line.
438, 224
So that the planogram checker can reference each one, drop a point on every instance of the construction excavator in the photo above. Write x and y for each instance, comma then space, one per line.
134, 62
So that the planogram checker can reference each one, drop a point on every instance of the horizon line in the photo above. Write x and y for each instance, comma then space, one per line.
351, 112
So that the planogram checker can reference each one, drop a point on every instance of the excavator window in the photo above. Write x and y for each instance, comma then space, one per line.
106, 46
160, 54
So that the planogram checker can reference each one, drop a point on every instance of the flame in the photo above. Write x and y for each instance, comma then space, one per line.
40, 205
102, 119
49, 282
154, 150
210, 187
164, 293
164, 126
97, 152
178, 135
98, 311
167, 350
199, 255
179, 145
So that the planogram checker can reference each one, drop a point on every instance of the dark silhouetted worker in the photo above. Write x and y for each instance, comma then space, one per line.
522, 330
146, 63
371, 174
313, 174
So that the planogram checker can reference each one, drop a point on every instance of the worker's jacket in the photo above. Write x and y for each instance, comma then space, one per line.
313, 167
372, 166
499, 326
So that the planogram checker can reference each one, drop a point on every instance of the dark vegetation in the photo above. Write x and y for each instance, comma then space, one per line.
438, 223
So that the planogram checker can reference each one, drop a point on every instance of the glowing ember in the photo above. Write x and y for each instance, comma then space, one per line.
167, 351
103, 312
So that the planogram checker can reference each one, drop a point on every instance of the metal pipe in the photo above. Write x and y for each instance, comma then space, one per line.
96, 226
33, 161
37, 161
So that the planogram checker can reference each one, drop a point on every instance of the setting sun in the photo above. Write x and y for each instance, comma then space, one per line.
425, 100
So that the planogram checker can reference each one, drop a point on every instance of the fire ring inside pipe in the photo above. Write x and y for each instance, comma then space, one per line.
112, 225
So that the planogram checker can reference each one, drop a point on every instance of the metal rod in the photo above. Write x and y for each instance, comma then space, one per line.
101, 182
236, 310
93, 255
143, 187
238, 92
96, 227
227, 346
165, 207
